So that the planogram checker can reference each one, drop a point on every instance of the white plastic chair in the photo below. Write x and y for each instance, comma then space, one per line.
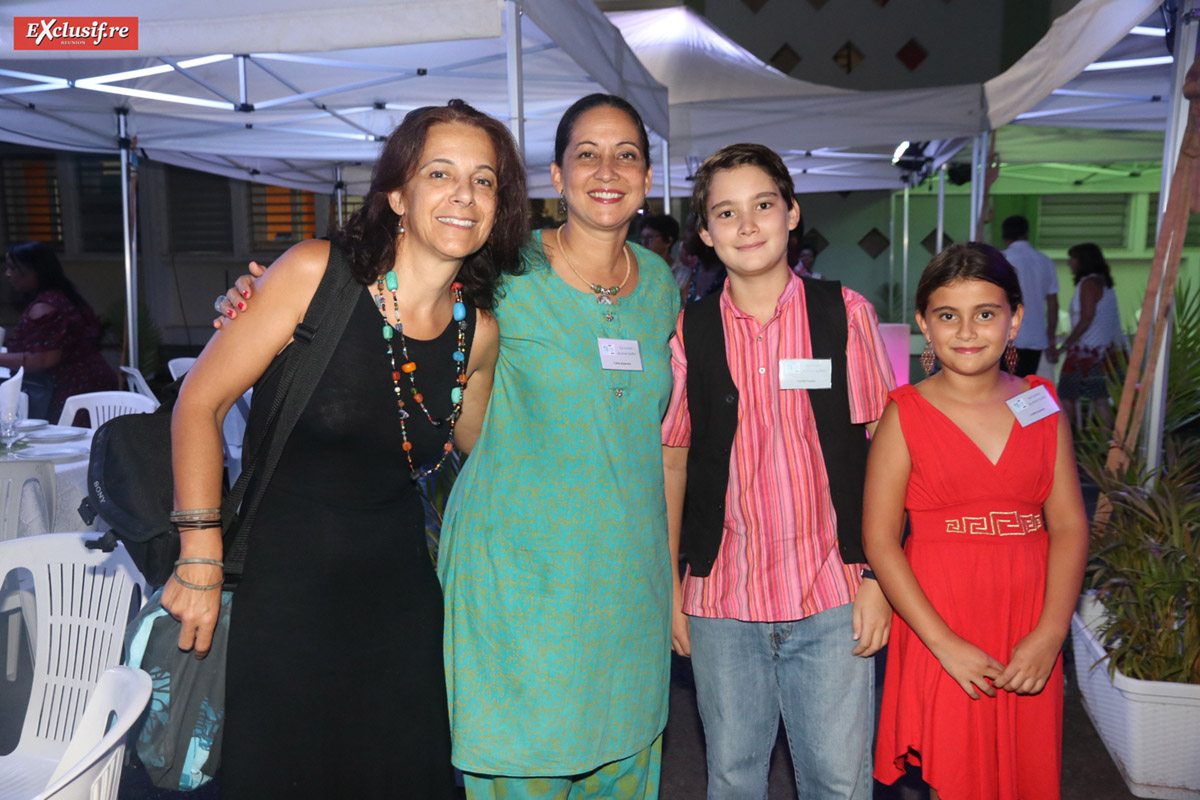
90, 769
103, 406
233, 432
179, 366
14, 475
84, 599
135, 379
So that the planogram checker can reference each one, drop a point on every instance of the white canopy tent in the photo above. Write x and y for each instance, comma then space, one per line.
300, 93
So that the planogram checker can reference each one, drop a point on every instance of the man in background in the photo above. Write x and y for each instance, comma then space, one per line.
1039, 288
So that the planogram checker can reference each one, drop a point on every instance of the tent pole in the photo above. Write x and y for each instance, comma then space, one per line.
941, 225
516, 78
131, 309
666, 156
1156, 409
891, 284
974, 188
904, 273
339, 192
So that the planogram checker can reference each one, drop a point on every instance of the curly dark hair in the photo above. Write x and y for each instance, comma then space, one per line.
968, 261
369, 237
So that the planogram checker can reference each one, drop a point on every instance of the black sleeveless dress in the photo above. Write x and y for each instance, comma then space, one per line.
335, 681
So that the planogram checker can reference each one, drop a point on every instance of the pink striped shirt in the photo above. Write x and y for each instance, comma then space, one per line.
779, 555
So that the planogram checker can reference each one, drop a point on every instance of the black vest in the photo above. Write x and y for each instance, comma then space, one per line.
713, 408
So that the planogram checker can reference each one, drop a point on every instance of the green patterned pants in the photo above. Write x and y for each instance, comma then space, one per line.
633, 778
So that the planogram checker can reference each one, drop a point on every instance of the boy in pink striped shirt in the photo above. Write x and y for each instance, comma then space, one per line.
765, 455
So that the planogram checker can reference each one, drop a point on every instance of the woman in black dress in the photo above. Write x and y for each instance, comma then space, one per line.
335, 683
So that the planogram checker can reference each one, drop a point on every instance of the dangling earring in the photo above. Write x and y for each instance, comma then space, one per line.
927, 358
400, 225
1010, 357
562, 206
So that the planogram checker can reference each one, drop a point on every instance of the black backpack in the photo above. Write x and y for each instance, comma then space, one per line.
130, 480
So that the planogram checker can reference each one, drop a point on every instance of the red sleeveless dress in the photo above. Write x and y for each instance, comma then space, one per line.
978, 547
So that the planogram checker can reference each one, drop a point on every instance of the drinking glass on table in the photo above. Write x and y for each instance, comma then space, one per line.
10, 422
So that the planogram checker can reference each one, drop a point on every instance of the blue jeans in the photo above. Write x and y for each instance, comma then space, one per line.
748, 673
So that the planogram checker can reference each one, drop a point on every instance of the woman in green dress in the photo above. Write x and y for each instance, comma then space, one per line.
553, 557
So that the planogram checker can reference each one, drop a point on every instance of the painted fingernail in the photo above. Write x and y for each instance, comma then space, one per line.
241, 306
229, 313
245, 292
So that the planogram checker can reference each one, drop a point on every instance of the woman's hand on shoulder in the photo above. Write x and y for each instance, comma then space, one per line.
237, 298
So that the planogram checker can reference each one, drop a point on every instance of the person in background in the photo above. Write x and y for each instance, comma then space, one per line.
659, 234
57, 340
1039, 287
1096, 337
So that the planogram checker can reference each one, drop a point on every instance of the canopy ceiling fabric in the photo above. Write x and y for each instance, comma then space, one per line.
326, 82
313, 109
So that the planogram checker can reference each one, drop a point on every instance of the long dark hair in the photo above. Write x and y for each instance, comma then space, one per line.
369, 236
1090, 259
40, 259
968, 261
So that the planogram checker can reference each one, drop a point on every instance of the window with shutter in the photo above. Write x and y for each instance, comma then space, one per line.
198, 211
1066, 220
32, 208
280, 217
101, 225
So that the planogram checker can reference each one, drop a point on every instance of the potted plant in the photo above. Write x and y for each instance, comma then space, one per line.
1136, 635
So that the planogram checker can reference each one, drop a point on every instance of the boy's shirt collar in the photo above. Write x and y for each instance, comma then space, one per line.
790, 291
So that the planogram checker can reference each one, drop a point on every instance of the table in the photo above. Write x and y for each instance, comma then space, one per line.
70, 487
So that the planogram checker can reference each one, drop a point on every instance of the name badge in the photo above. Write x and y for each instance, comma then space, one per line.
1029, 407
805, 373
622, 354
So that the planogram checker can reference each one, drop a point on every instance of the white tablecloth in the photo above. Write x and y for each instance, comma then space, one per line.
70, 487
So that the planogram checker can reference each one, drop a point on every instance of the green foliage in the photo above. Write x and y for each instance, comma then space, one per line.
1145, 568
112, 334
1145, 562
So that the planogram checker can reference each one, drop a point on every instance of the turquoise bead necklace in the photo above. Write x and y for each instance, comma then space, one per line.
409, 367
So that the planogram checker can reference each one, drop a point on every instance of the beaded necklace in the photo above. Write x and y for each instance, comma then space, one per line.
409, 367
604, 296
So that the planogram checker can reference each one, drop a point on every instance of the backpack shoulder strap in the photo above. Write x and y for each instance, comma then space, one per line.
315, 339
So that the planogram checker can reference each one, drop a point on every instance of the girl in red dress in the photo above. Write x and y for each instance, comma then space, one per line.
985, 585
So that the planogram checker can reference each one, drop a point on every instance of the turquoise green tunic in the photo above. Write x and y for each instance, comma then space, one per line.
554, 558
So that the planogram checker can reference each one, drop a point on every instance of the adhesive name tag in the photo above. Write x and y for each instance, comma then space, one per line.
805, 373
623, 354
1029, 407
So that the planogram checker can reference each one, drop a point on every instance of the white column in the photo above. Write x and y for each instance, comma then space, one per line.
666, 172
516, 84
941, 208
131, 308
904, 273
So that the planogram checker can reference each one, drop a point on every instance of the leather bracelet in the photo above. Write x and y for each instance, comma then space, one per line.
866, 573
196, 586
193, 513
197, 524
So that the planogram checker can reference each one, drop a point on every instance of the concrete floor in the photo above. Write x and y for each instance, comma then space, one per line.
1088, 772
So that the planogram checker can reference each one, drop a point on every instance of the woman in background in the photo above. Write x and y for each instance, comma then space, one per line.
1095, 339
57, 340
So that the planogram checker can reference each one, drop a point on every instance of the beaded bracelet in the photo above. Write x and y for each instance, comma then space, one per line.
196, 586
